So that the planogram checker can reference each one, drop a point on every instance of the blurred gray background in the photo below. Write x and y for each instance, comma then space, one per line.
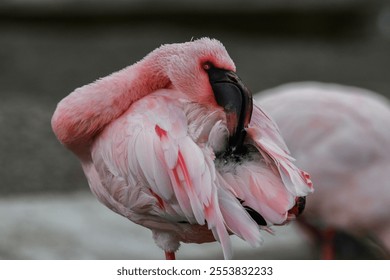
48, 48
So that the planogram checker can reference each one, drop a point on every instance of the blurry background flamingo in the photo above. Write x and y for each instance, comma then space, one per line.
341, 135
50, 47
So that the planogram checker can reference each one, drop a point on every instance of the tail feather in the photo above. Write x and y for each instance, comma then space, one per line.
216, 224
261, 192
238, 220
295, 180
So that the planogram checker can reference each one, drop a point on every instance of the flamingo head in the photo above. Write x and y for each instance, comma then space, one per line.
203, 70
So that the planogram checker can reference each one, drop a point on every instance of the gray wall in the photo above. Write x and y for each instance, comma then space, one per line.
48, 49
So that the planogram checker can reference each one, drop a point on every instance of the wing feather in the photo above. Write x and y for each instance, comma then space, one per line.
158, 170
267, 139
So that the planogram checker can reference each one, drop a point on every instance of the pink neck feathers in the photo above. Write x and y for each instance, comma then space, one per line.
80, 116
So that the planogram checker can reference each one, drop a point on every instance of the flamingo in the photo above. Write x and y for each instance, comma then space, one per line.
341, 136
174, 144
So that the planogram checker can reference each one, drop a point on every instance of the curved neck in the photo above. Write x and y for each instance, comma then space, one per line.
84, 113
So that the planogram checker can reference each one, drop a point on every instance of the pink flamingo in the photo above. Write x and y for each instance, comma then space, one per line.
341, 136
174, 143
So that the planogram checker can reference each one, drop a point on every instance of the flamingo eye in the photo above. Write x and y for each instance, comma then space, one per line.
207, 65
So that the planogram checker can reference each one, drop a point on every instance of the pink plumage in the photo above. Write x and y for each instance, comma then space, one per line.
341, 135
152, 140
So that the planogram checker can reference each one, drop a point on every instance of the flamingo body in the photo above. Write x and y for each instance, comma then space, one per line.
152, 142
341, 136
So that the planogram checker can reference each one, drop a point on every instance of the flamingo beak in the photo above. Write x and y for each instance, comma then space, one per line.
236, 100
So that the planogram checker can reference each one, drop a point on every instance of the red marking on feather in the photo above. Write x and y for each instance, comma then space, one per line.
182, 164
159, 199
208, 209
176, 175
160, 132
306, 176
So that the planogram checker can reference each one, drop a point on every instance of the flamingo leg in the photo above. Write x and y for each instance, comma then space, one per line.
325, 238
328, 250
170, 255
